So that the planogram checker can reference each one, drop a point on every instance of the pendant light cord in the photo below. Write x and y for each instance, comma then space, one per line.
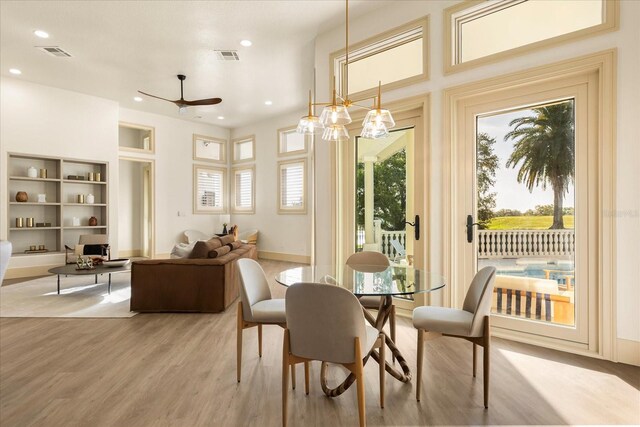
346, 47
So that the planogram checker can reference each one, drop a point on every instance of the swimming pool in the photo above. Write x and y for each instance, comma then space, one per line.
542, 268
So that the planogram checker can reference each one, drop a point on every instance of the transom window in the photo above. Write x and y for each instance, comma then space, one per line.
244, 149
480, 32
291, 142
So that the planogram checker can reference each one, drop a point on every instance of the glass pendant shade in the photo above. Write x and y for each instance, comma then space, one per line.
379, 117
309, 125
374, 131
335, 115
335, 133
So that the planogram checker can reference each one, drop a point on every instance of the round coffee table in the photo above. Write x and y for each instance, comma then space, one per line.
72, 270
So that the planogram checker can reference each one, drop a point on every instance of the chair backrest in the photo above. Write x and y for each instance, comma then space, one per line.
93, 239
478, 298
193, 236
369, 258
398, 247
253, 285
323, 322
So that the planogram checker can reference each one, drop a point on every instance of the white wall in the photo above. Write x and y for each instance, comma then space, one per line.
130, 202
626, 40
282, 233
42, 120
174, 175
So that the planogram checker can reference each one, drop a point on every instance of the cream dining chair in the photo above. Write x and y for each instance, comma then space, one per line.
326, 323
256, 308
471, 323
371, 302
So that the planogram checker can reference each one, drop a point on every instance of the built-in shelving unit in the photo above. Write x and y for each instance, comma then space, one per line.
61, 206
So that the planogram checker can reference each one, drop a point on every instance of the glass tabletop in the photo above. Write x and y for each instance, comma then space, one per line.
366, 280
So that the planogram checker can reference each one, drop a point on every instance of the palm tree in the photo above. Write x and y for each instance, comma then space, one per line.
544, 143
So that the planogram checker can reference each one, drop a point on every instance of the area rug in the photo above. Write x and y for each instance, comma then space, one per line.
79, 297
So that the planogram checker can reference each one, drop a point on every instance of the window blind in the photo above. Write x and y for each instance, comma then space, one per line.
244, 190
292, 185
210, 192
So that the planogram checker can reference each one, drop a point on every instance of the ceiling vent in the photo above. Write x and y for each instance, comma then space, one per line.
227, 55
54, 51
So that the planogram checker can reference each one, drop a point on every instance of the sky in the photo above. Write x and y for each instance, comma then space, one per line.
509, 193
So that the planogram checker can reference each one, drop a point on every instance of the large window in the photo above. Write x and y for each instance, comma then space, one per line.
398, 57
244, 190
208, 190
292, 186
486, 31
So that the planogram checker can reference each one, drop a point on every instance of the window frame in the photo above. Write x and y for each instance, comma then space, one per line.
234, 207
291, 129
198, 209
152, 138
454, 15
236, 141
223, 149
336, 62
301, 210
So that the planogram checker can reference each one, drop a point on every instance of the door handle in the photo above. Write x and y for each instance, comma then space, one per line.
470, 225
416, 227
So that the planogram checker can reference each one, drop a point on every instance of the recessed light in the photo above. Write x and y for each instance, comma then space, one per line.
41, 34
15, 71
268, 103
137, 99
246, 43
220, 117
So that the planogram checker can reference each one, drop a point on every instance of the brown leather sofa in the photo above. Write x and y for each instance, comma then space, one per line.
207, 285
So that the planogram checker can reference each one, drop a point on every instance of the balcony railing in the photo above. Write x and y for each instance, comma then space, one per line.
525, 243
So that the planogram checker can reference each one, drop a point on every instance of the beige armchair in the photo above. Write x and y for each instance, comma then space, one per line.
471, 323
370, 302
326, 323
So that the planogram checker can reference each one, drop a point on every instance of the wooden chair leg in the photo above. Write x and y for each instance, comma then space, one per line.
306, 378
285, 376
360, 383
293, 376
240, 324
392, 327
259, 340
420, 357
474, 359
485, 359
383, 354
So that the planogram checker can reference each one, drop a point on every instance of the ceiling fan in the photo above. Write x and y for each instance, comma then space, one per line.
183, 103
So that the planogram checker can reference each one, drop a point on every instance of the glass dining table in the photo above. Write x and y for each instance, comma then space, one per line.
368, 280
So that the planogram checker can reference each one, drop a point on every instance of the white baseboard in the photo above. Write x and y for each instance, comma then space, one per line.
279, 256
628, 351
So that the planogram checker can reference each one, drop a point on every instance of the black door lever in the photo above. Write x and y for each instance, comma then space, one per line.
416, 227
470, 225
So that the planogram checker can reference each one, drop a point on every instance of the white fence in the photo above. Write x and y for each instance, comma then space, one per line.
382, 239
531, 243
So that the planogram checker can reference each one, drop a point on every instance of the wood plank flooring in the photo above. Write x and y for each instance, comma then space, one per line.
179, 370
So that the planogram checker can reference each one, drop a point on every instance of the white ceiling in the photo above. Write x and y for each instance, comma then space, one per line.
120, 47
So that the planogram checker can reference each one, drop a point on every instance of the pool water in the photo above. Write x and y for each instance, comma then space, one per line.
531, 267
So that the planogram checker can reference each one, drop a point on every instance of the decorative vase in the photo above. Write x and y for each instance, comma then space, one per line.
21, 196
42, 198
90, 199
93, 221
32, 172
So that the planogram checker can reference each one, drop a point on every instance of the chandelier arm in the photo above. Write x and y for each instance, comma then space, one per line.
346, 47
321, 103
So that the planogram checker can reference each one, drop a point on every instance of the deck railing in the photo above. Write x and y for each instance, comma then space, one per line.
529, 243
387, 237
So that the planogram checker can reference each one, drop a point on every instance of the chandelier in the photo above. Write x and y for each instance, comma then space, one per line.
335, 115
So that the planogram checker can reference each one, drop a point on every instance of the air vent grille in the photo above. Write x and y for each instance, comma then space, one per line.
54, 51
227, 55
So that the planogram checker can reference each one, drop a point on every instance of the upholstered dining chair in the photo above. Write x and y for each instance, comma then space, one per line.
256, 307
326, 323
471, 323
370, 302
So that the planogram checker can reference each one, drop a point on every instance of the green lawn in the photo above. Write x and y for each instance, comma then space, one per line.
526, 222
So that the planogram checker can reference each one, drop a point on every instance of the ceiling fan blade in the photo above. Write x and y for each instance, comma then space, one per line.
208, 101
159, 97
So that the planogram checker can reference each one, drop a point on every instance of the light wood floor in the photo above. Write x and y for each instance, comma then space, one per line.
179, 370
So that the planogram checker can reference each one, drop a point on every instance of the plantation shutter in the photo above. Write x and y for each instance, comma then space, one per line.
244, 190
292, 191
210, 189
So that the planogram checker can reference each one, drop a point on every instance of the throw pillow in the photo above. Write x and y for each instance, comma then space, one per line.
234, 245
218, 252
202, 248
227, 239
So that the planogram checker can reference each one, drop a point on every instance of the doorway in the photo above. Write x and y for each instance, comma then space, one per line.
135, 207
